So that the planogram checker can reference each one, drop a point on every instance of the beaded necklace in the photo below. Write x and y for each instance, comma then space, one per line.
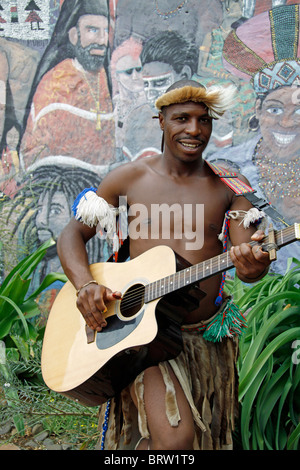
281, 179
168, 14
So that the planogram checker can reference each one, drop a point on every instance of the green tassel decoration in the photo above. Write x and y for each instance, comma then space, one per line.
228, 323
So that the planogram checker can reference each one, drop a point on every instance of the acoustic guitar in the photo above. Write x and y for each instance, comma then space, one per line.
143, 328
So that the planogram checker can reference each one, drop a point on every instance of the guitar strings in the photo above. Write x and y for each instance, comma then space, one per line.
134, 297
212, 264
137, 295
132, 300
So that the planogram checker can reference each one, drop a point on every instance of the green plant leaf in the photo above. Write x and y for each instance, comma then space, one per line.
48, 281
22, 345
289, 296
285, 390
28, 264
283, 338
294, 438
247, 405
258, 291
16, 291
264, 332
268, 398
294, 402
5, 325
30, 308
20, 314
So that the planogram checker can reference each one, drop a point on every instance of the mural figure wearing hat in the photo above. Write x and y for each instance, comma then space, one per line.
70, 108
266, 50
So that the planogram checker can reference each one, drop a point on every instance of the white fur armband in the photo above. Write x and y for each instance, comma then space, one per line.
249, 217
92, 210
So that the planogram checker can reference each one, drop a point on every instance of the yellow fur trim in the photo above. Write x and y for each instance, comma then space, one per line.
217, 99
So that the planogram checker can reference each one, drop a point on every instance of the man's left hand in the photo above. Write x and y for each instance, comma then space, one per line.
251, 262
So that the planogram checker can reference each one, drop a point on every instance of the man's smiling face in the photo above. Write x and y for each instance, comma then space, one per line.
187, 129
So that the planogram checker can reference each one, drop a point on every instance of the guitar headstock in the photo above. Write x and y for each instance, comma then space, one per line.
297, 231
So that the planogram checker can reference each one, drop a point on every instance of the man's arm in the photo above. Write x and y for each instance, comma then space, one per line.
71, 248
251, 263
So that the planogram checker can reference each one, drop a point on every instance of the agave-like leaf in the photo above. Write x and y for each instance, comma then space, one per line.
16, 291
285, 337
19, 313
294, 438
264, 332
25, 267
247, 406
47, 282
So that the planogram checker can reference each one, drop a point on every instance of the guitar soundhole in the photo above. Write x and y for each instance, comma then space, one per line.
132, 301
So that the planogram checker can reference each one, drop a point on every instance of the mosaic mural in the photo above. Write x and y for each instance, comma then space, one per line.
67, 116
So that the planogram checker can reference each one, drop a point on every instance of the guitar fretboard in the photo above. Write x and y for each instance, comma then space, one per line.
212, 266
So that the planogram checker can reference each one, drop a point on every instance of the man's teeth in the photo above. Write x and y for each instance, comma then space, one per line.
193, 146
284, 139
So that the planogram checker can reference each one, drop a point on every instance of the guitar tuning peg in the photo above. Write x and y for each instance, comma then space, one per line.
271, 244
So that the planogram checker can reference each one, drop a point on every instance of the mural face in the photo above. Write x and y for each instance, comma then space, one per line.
279, 120
129, 74
90, 39
51, 216
78, 84
157, 78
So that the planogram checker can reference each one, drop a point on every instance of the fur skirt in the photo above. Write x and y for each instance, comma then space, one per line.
207, 373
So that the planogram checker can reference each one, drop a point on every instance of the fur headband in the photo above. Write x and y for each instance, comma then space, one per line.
217, 99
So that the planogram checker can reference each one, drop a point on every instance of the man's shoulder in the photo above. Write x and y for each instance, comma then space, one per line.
122, 180
137, 167
126, 174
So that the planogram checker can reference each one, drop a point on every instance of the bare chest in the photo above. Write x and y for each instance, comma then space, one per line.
186, 215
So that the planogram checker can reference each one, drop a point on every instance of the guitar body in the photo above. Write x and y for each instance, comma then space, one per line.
92, 372
158, 290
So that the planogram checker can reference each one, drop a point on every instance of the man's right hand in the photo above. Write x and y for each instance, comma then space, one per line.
91, 302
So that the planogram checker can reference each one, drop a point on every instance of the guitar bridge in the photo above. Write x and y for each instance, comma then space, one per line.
90, 334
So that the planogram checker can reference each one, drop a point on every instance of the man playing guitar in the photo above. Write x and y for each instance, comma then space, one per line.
189, 402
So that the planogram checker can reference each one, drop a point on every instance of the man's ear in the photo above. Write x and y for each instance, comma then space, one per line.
161, 121
73, 35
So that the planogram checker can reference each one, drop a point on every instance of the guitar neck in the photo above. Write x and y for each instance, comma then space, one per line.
212, 266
